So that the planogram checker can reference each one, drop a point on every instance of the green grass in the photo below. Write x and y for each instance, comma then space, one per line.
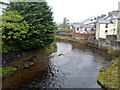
112, 52
52, 47
108, 76
69, 39
8, 69
47, 50
64, 30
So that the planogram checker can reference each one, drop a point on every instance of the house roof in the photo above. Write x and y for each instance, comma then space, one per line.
77, 25
115, 15
104, 21
89, 26
83, 26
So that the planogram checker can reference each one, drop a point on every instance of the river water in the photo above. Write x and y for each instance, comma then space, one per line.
71, 66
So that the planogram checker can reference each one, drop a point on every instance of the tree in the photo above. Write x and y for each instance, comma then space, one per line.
14, 29
39, 17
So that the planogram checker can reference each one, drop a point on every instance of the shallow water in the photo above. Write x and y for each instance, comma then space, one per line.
71, 66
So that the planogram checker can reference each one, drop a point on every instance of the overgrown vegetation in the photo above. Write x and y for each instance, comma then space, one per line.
14, 30
112, 52
109, 76
27, 25
64, 31
5, 70
69, 39
52, 47
45, 51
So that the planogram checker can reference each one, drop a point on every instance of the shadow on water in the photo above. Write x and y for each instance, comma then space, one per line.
72, 66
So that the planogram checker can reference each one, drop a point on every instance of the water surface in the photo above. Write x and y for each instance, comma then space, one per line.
72, 66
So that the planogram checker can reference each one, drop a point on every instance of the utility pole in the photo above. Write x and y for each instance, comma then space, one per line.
118, 26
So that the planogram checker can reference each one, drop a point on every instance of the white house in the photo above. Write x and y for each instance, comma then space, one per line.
105, 27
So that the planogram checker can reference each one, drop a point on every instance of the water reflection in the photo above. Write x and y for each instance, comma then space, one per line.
72, 66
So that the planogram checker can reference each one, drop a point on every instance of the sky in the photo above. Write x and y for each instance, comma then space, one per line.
78, 10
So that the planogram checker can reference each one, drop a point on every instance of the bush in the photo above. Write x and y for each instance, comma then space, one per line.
14, 30
31, 29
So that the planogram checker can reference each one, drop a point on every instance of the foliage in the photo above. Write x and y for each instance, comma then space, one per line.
52, 47
69, 39
8, 69
108, 76
14, 30
112, 52
41, 30
63, 31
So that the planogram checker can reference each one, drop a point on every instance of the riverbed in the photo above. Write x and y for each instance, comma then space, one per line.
71, 66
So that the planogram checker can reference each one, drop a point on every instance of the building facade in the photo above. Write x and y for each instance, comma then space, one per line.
82, 31
105, 28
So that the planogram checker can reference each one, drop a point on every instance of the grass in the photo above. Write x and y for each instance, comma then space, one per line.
64, 30
8, 69
108, 76
69, 39
52, 47
112, 52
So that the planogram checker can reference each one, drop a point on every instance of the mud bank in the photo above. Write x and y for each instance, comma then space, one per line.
30, 64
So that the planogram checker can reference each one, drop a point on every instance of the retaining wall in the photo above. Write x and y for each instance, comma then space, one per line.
105, 43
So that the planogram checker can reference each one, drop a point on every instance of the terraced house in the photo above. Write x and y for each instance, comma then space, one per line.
106, 25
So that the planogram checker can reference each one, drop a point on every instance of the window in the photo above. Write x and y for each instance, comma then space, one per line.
106, 31
106, 26
114, 29
77, 29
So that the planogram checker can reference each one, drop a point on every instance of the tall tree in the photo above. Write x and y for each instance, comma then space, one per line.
39, 17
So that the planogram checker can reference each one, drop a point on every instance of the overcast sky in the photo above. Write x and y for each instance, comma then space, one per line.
77, 10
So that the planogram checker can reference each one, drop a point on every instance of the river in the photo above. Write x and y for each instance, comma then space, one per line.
71, 66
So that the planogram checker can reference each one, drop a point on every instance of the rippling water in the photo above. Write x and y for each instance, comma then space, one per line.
72, 66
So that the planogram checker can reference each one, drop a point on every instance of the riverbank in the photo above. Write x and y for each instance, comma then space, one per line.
28, 61
68, 39
108, 76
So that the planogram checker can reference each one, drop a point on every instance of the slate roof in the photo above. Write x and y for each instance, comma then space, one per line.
104, 21
83, 26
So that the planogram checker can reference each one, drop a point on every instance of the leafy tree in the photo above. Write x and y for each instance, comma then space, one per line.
39, 17
14, 30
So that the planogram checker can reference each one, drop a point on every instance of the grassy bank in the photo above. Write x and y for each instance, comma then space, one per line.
7, 69
109, 76
45, 51
69, 39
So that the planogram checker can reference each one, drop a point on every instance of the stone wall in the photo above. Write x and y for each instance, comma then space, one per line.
105, 43
111, 37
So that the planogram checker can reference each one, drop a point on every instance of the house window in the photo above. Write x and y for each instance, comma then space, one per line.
106, 26
77, 29
106, 31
